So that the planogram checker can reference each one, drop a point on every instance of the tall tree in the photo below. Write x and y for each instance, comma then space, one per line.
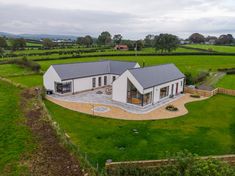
3, 42
149, 40
18, 44
225, 39
166, 42
139, 45
80, 40
197, 38
117, 39
87, 40
47, 43
105, 38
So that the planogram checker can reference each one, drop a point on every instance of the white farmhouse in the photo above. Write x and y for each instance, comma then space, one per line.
130, 83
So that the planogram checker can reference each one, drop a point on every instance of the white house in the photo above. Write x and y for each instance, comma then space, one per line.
130, 83
83, 76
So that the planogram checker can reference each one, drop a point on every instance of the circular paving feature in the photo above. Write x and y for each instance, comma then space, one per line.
101, 109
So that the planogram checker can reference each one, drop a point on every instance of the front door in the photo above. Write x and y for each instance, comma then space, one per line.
177, 86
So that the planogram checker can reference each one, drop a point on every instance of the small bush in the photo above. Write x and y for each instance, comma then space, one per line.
195, 96
171, 108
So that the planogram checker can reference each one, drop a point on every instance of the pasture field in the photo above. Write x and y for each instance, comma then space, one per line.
227, 82
205, 130
16, 139
28, 80
218, 48
192, 64
11, 69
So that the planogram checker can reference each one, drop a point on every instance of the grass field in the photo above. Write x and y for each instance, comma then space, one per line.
226, 49
206, 130
193, 64
28, 80
227, 82
16, 140
11, 69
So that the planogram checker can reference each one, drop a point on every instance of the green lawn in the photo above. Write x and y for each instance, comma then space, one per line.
193, 64
16, 139
228, 82
28, 80
227, 49
208, 129
12, 69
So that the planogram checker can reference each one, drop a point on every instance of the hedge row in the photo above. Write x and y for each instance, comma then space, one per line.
227, 70
24, 62
133, 54
75, 51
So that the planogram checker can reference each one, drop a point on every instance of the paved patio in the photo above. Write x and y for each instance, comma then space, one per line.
99, 96
86, 103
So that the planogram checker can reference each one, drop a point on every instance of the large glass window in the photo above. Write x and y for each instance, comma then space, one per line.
147, 99
93, 82
135, 97
164, 92
99, 81
105, 80
63, 87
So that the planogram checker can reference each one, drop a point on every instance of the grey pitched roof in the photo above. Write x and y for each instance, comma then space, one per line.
86, 69
156, 75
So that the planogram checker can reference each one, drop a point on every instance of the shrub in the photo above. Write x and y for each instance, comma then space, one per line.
195, 96
171, 108
200, 77
183, 164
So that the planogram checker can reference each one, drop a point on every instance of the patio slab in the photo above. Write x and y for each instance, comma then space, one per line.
99, 96
116, 112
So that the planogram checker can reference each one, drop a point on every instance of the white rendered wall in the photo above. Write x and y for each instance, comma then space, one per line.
156, 93
120, 87
83, 84
49, 79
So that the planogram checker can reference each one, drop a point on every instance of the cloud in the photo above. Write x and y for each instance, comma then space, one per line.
132, 18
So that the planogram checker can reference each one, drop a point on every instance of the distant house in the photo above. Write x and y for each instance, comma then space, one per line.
121, 47
130, 83
211, 42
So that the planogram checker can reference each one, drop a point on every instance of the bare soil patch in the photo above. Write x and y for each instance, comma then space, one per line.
50, 158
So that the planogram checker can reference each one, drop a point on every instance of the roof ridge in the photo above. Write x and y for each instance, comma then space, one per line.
95, 62
151, 66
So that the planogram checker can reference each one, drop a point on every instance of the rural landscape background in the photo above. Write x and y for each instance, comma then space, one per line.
38, 137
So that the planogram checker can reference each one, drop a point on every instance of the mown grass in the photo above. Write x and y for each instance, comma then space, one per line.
208, 129
28, 80
228, 82
12, 69
226, 49
192, 64
16, 139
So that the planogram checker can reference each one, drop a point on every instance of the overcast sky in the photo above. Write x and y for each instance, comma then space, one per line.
132, 18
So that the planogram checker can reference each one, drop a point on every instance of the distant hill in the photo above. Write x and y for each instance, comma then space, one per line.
39, 36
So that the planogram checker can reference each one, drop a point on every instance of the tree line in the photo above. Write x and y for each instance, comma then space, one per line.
225, 39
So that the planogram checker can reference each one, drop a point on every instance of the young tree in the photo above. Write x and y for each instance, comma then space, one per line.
166, 42
197, 38
117, 39
18, 44
3, 42
47, 43
105, 38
